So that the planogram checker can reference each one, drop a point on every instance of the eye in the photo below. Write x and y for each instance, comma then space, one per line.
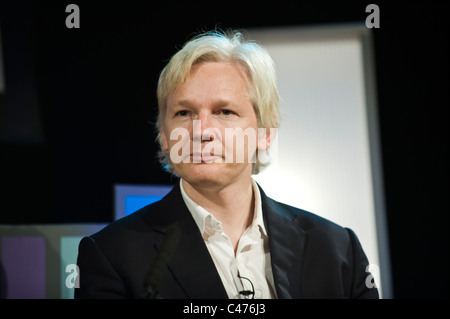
226, 112
182, 113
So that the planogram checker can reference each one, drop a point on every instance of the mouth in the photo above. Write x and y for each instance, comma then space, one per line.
204, 158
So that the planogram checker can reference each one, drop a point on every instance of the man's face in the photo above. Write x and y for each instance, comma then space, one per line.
213, 98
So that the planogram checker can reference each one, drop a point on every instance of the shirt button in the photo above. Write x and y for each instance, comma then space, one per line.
216, 226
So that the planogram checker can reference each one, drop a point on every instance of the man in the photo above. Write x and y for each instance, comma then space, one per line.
216, 234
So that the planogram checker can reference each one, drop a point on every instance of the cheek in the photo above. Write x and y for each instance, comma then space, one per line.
240, 145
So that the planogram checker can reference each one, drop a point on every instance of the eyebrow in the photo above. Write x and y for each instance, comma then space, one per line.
217, 103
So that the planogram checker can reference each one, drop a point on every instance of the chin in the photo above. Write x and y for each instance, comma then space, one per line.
200, 172
204, 174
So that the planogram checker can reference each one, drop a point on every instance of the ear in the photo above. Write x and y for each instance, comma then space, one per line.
265, 138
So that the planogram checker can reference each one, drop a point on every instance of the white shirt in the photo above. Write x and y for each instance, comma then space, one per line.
252, 259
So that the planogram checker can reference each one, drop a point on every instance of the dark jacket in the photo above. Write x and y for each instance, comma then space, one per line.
311, 257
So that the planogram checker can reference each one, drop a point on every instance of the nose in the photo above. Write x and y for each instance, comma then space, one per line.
204, 129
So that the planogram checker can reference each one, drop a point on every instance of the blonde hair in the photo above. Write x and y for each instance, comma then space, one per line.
229, 47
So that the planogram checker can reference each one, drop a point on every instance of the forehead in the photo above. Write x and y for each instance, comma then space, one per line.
212, 81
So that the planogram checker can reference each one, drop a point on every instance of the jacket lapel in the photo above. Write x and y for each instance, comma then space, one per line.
286, 241
191, 263
193, 267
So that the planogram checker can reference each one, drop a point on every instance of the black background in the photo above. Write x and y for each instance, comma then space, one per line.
86, 125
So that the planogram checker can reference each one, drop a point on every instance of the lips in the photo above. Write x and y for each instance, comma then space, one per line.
204, 158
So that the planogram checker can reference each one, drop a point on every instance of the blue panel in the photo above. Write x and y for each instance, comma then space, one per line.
135, 202
130, 198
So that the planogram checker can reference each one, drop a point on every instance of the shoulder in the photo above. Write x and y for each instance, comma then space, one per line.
114, 261
148, 219
307, 220
318, 230
122, 236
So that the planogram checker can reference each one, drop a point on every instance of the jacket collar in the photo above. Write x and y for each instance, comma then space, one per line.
201, 215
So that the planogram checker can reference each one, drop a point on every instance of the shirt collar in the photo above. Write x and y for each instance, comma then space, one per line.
200, 214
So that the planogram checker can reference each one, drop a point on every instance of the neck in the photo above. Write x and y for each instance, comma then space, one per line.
232, 204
